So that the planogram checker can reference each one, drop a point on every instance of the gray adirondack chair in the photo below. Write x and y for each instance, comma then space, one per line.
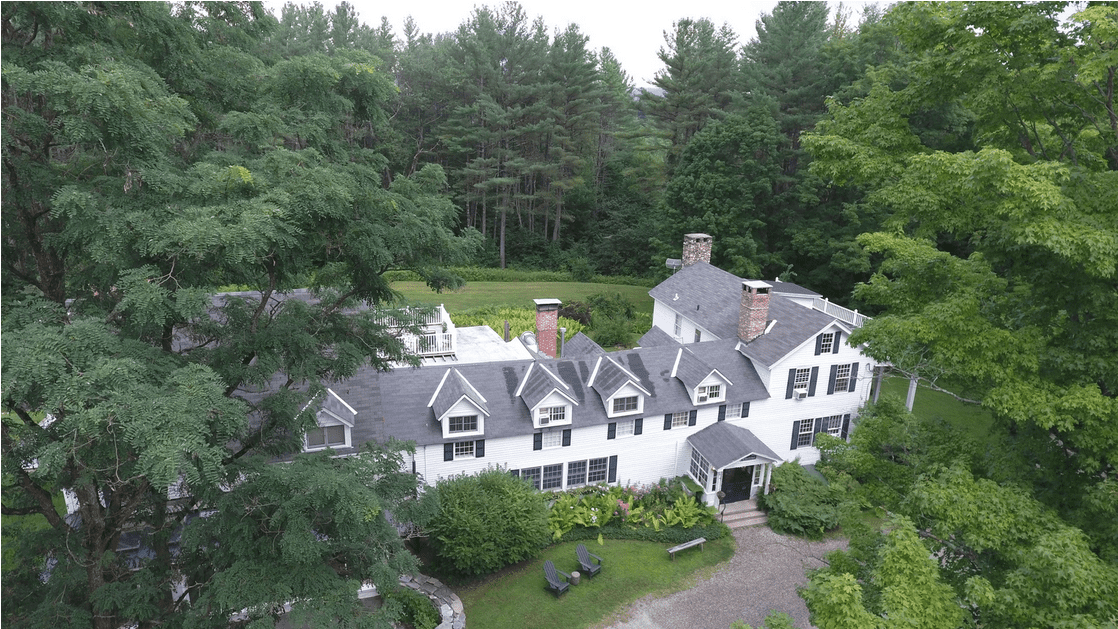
554, 582
585, 558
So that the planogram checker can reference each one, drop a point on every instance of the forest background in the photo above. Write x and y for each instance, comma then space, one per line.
948, 168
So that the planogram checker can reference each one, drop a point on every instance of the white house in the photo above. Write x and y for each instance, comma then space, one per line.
735, 376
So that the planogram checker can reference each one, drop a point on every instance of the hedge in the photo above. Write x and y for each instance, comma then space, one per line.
666, 535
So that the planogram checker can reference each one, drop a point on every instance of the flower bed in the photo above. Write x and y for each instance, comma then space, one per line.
650, 512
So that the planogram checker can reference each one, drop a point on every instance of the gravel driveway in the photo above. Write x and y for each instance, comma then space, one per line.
762, 576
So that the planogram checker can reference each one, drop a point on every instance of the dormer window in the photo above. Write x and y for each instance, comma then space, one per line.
826, 343
710, 393
626, 404
326, 437
553, 415
463, 423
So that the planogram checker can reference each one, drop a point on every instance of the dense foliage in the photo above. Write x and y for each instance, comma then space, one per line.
799, 503
657, 507
487, 521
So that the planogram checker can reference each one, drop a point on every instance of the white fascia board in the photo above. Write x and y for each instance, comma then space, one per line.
481, 411
472, 388
720, 376
594, 372
339, 398
556, 378
333, 416
633, 379
434, 395
675, 365
524, 380
544, 400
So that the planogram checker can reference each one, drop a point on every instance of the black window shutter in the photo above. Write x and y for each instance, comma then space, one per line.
448, 451
515, 473
819, 345
831, 382
814, 379
611, 430
668, 421
479, 448
745, 409
612, 469
845, 426
537, 441
638, 425
691, 418
722, 413
795, 434
566, 437
791, 383
838, 339
853, 378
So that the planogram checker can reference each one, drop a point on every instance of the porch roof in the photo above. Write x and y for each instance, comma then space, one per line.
724, 443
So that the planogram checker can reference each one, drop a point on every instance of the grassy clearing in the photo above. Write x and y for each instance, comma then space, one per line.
518, 294
517, 597
972, 420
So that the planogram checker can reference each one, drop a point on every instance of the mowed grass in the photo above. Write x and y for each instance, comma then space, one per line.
517, 294
517, 597
971, 419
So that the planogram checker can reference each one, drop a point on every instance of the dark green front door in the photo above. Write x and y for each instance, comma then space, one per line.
736, 483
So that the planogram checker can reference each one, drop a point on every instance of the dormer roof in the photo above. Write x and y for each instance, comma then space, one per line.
691, 371
539, 382
451, 390
336, 407
608, 377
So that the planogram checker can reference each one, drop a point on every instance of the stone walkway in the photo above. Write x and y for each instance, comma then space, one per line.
762, 576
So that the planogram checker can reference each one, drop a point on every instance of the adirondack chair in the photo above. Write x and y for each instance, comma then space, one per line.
589, 568
554, 583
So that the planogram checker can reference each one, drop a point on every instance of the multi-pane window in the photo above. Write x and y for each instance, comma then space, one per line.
710, 392
806, 433
597, 470
758, 470
532, 474
803, 378
326, 437
842, 378
827, 343
626, 428
678, 325
698, 335
699, 467
625, 404
463, 449
465, 423
552, 476
833, 425
679, 420
576, 473
552, 439
743, 410
552, 414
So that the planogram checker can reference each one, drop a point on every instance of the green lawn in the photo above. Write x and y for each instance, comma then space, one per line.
517, 597
973, 420
517, 294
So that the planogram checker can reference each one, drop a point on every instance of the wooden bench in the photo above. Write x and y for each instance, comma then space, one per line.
685, 545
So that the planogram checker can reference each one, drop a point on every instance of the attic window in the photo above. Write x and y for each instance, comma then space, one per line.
625, 404
326, 437
552, 414
465, 423
710, 393
827, 343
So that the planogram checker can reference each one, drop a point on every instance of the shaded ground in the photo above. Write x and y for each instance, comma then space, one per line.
761, 577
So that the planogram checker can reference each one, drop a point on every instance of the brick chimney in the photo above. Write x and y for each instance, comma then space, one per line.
547, 324
754, 313
696, 248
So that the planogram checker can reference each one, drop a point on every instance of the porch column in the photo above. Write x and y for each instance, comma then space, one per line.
768, 477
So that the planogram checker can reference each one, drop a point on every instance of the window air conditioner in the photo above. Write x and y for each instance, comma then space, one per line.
702, 398
799, 394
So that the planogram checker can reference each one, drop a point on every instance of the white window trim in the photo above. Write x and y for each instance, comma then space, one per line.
625, 428
807, 429
827, 344
552, 435
680, 420
537, 416
459, 433
348, 438
843, 380
465, 457
703, 466
637, 411
702, 393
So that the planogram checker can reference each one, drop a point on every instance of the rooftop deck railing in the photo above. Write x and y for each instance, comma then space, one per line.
839, 312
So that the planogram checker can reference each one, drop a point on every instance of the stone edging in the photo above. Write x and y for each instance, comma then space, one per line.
447, 602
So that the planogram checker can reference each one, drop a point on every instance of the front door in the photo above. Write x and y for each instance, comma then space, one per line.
736, 483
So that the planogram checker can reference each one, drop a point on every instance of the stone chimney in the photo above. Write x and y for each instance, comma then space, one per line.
754, 313
547, 324
696, 248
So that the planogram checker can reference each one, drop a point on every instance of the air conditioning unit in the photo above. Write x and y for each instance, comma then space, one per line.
702, 398
799, 394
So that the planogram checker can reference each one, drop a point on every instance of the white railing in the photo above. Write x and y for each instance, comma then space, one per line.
839, 312
438, 344
407, 317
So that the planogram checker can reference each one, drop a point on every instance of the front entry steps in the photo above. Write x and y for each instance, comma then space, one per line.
743, 513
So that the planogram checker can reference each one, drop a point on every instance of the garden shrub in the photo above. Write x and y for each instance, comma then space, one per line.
487, 521
416, 610
610, 332
800, 503
520, 320
635, 512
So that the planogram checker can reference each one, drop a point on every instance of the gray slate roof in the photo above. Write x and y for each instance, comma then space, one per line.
724, 443
792, 289
454, 388
711, 298
394, 404
611, 377
657, 337
691, 371
581, 346
541, 382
